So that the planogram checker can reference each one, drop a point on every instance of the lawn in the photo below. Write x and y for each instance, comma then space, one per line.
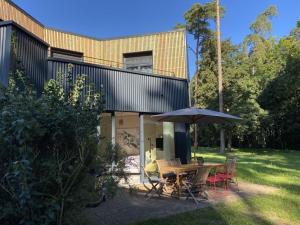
280, 169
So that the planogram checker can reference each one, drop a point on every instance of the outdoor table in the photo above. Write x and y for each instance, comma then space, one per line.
180, 169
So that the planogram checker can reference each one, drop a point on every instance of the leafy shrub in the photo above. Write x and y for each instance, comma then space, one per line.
47, 144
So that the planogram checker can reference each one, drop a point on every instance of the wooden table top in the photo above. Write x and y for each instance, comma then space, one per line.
189, 167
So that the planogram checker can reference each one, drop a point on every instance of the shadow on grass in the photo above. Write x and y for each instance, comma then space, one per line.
215, 215
203, 216
264, 166
253, 212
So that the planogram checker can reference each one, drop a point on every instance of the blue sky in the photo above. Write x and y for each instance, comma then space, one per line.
113, 18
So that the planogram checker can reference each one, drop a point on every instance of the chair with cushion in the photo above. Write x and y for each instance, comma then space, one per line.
197, 185
168, 176
230, 175
215, 178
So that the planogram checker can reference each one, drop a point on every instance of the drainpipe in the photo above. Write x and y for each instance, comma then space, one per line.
113, 129
142, 150
113, 134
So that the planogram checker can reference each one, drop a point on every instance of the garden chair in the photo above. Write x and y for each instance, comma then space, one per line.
215, 178
161, 164
197, 185
157, 185
175, 162
200, 160
169, 177
230, 175
222, 170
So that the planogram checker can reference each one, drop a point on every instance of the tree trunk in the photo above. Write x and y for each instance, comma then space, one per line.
220, 76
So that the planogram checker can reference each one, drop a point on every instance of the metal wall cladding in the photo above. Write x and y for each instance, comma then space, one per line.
5, 34
30, 55
128, 91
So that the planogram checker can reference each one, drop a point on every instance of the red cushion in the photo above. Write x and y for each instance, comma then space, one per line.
221, 176
213, 179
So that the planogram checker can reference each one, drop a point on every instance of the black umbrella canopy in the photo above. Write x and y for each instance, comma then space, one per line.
195, 115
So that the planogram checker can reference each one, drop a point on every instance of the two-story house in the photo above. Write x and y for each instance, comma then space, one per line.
139, 76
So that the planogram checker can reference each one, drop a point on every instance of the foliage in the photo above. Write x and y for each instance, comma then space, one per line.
256, 72
296, 31
282, 99
262, 24
197, 23
197, 19
47, 145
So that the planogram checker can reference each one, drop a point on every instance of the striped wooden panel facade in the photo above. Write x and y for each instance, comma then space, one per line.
168, 48
9, 11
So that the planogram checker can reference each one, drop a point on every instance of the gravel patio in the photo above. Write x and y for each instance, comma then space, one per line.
130, 207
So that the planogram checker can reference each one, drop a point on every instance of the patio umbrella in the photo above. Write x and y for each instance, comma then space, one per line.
194, 115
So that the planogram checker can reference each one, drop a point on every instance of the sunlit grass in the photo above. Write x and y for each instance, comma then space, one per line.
280, 169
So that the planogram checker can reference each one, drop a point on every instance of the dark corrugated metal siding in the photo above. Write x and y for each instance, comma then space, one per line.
123, 90
5, 35
129, 91
30, 55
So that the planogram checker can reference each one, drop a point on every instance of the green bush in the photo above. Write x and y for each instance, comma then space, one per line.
47, 144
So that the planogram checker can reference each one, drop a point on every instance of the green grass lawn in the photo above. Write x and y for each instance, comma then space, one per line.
279, 169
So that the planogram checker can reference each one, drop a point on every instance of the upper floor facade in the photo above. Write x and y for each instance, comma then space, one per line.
163, 53
145, 74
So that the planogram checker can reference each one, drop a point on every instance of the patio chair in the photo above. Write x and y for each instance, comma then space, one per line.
200, 160
226, 174
197, 161
215, 178
161, 163
230, 175
175, 162
157, 185
196, 185
169, 177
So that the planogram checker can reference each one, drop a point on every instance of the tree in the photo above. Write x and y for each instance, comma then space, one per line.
261, 85
220, 75
296, 31
197, 22
281, 97
262, 25
241, 87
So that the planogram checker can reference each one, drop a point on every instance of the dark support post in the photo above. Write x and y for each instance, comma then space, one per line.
142, 149
182, 143
113, 129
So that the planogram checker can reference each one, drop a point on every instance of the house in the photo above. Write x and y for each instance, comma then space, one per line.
139, 76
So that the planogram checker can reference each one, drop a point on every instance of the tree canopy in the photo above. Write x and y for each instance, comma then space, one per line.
261, 82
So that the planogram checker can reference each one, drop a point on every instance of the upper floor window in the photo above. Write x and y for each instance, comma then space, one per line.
139, 61
66, 54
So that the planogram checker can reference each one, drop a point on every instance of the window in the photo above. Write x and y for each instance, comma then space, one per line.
66, 54
139, 61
